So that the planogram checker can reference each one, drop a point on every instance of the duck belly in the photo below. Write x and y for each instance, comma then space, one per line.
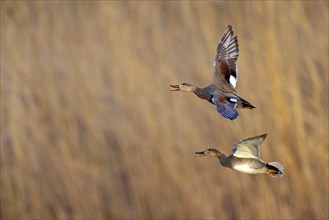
246, 168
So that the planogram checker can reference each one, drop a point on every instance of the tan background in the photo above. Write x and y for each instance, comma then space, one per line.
90, 130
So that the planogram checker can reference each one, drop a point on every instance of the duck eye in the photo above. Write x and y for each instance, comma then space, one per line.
183, 84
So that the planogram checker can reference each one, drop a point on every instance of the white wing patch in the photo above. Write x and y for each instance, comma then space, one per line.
233, 100
213, 100
233, 81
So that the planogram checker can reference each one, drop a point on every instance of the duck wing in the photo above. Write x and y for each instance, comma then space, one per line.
225, 67
227, 111
226, 106
248, 148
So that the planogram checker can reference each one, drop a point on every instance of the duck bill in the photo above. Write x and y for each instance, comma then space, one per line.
174, 88
200, 154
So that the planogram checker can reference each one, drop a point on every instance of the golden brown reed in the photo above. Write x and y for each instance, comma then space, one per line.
89, 128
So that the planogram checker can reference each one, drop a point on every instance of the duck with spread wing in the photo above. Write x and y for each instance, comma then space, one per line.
245, 158
221, 92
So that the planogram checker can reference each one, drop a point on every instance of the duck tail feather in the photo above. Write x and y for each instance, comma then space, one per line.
245, 104
275, 169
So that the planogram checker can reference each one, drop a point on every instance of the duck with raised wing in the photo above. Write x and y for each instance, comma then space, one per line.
221, 92
245, 158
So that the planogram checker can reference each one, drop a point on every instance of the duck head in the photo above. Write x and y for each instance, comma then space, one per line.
210, 152
185, 87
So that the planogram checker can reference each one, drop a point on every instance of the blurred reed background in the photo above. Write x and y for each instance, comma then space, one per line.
89, 129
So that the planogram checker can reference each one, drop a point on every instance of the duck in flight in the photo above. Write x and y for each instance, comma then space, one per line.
221, 92
245, 158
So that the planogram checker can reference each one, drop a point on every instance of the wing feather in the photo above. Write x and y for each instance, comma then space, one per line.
249, 148
226, 106
225, 67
